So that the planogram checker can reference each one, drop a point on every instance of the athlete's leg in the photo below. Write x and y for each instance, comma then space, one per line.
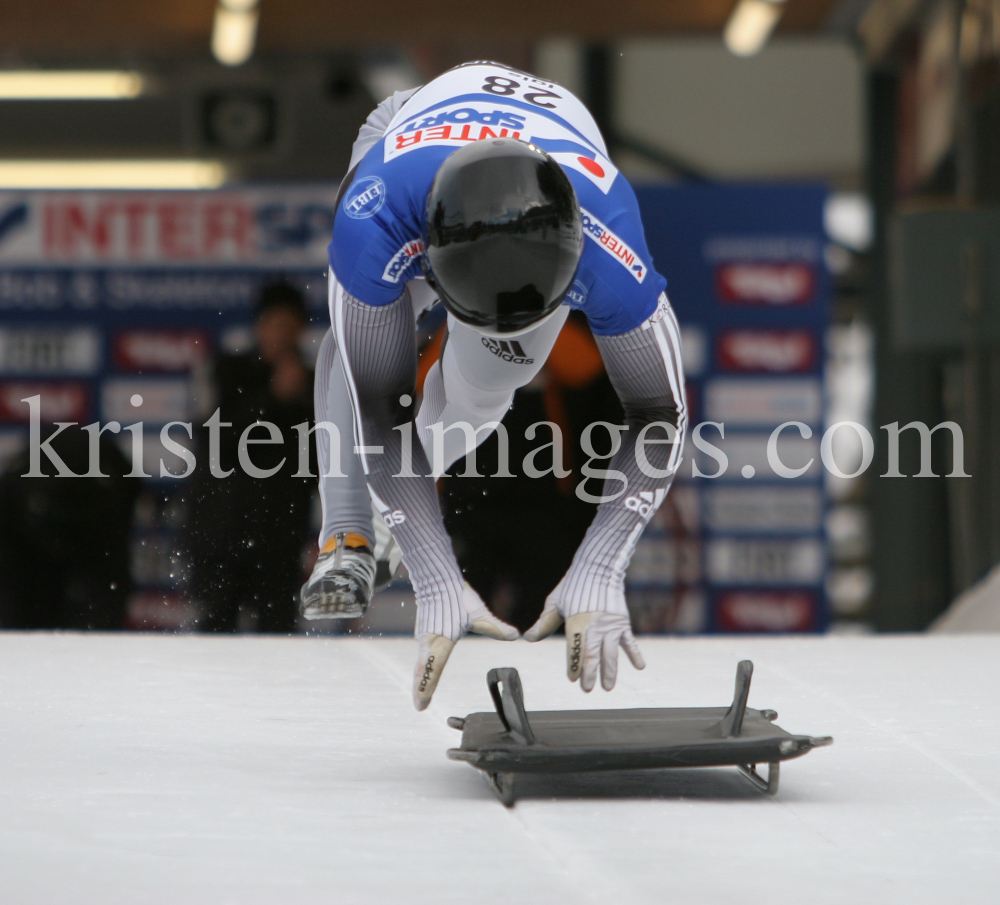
345, 501
343, 578
475, 381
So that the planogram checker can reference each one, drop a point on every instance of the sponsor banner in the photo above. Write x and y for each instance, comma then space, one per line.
774, 351
763, 402
765, 284
60, 401
680, 513
694, 350
192, 294
763, 509
159, 350
614, 245
680, 611
767, 611
277, 228
658, 560
730, 561
56, 351
152, 400
750, 450
773, 248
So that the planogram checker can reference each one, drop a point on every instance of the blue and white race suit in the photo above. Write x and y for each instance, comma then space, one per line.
366, 370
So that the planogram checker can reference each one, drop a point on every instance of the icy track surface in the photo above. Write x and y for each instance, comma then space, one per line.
157, 769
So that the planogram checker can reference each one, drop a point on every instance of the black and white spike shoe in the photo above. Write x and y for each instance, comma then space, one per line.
342, 580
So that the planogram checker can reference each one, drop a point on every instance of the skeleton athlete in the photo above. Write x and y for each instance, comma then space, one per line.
490, 190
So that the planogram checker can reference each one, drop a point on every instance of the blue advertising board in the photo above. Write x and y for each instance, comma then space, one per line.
111, 303
739, 546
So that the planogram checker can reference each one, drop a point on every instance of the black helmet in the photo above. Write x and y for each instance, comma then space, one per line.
503, 237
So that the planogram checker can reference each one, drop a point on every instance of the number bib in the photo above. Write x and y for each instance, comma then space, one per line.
484, 100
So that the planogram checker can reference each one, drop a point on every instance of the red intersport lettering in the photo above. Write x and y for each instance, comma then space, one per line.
439, 133
75, 228
228, 227
403, 141
177, 230
135, 227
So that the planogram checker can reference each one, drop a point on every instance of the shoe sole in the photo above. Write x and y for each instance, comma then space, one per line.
334, 600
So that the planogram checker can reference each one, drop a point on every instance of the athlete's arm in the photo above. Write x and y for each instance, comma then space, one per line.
644, 365
380, 363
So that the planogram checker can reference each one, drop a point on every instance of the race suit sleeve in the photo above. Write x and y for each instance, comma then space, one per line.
644, 366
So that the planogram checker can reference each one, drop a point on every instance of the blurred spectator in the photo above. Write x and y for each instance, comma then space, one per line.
515, 537
244, 536
65, 550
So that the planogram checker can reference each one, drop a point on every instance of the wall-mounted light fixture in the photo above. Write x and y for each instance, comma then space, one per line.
67, 84
750, 25
234, 31
111, 174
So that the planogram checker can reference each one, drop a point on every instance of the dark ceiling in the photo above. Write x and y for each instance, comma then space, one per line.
91, 29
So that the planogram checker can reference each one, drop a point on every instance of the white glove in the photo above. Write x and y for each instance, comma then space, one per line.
592, 640
434, 650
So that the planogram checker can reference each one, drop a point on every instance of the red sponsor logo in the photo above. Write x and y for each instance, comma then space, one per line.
765, 284
184, 228
458, 132
770, 351
766, 611
60, 401
163, 351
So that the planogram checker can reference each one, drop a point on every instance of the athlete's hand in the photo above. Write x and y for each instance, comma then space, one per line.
434, 650
592, 641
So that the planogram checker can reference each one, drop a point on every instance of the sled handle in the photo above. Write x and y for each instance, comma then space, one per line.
732, 722
508, 698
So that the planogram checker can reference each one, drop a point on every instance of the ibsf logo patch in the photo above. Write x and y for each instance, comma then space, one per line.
401, 260
577, 295
614, 245
507, 350
365, 198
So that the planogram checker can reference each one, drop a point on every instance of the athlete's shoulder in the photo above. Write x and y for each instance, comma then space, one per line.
617, 285
376, 244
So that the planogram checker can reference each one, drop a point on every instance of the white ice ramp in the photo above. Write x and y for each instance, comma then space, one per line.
156, 769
